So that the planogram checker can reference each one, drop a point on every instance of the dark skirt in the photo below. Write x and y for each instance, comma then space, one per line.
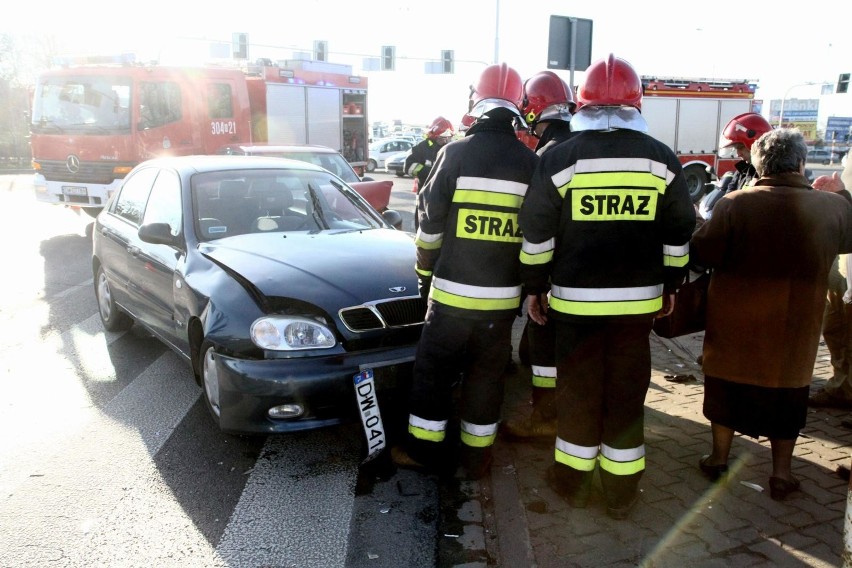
777, 413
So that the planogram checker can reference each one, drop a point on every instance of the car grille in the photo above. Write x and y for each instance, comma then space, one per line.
385, 314
89, 172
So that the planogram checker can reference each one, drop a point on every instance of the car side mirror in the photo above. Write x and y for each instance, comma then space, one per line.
157, 234
393, 218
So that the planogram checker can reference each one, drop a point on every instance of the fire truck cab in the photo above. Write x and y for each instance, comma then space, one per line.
92, 123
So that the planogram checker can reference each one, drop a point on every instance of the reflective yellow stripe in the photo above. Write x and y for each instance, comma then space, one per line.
626, 308
544, 377
415, 169
607, 301
422, 272
622, 462
581, 458
488, 226
614, 172
487, 198
457, 301
676, 256
613, 204
491, 185
469, 297
478, 435
428, 430
428, 241
537, 253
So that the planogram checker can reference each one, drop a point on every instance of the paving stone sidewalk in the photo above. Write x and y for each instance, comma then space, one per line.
681, 519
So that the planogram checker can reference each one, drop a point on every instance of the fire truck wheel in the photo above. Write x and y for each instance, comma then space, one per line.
696, 180
371, 165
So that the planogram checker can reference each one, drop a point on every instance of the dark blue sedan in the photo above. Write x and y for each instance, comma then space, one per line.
284, 289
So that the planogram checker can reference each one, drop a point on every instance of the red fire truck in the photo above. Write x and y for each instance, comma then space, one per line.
91, 124
689, 115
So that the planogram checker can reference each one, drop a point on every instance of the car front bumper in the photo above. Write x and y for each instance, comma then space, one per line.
323, 386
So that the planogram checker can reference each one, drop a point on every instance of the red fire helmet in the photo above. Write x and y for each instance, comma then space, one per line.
547, 97
611, 82
497, 86
440, 127
744, 129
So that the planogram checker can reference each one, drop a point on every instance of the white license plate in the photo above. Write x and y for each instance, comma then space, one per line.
74, 190
371, 418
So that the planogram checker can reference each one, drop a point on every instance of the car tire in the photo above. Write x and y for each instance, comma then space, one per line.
371, 165
400, 174
210, 379
111, 315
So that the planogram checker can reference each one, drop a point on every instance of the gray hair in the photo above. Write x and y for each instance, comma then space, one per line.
779, 151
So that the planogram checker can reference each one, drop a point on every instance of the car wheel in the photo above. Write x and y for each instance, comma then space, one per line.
210, 379
111, 315
400, 173
371, 165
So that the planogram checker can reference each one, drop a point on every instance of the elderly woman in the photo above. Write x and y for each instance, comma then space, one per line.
770, 248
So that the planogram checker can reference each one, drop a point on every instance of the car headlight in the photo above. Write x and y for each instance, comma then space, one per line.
286, 333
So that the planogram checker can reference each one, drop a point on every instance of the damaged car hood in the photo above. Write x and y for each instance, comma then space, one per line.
331, 269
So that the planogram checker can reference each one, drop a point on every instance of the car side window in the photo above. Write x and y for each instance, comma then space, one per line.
164, 204
130, 202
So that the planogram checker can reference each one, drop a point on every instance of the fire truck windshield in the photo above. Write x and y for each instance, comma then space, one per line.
82, 103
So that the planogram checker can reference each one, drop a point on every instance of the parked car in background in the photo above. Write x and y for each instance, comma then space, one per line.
382, 149
396, 163
820, 156
278, 283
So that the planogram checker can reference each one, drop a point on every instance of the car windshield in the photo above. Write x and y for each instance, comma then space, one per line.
335, 163
92, 104
237, 202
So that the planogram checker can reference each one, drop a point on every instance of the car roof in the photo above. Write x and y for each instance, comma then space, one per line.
215, 163
275, 148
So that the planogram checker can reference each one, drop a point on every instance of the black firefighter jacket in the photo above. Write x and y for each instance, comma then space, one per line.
468, 239
606, 225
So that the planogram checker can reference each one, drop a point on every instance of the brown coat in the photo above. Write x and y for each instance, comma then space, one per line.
771, 249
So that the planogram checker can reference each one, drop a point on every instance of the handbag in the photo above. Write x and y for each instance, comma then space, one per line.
690, 309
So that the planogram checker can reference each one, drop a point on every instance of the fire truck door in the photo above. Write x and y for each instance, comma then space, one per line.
164, 119
219, 116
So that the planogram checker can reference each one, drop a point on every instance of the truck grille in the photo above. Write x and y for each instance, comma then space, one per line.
89, 172
385, 314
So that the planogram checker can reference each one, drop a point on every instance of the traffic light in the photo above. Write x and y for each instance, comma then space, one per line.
320, 50
447, 61
388, 58
843, 83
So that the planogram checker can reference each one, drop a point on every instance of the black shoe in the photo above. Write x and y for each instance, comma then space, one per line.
576, 497
780, 488
712, 472
620, 512
476, 462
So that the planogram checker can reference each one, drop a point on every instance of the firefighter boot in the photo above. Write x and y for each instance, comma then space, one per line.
541, 423
476, 461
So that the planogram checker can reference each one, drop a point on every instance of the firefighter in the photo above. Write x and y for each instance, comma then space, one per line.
737, 137
606, 228
547, 106
468, 247
419, 162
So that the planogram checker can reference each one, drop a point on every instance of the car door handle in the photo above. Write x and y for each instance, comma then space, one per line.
133, 250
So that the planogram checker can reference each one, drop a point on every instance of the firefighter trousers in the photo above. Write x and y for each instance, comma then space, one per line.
604, 371
451, 347
542, 357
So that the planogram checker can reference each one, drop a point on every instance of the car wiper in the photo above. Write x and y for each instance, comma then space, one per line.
48, 123
316, 208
